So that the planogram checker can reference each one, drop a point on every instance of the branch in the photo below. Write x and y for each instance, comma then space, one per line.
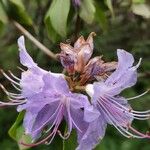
34, 40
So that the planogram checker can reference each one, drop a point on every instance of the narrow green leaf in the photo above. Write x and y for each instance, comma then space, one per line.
13, 130
110, 6
58, 13
87, 11
17, 132
16, 10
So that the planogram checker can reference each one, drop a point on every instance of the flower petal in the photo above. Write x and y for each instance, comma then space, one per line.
25, 58
91, 113
93, 135
125, 75
31, 83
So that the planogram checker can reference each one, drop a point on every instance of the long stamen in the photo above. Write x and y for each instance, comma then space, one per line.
53, 133
123, 131
14, 100
10, 79
11, 95
11, 103
16, 87
114, 122
139, 133
37, 143
20, 69
15, 77
49, 120
136, 116
55, 128
65, 136
54, 120
114, 100
141, 112
138, 96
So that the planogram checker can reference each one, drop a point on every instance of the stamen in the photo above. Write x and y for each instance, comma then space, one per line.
13, 95
114, 100
37, 143
141, 112
139, 133
10, 103
119, 128
112, 120
16, 87
20, 69
65, 136
139, 116
15, 77
138, 96
48, 130
10, 79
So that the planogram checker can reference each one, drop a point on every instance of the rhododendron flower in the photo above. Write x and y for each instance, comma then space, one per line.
86, 97
46, 98
113, 108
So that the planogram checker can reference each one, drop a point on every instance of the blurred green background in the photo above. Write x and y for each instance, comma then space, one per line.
121, 24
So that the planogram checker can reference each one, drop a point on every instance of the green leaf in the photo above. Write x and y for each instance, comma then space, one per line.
58, 15
71, 142
16, 11
23, 138
87, 11
13, 130
53, 36
141, 9
110, 6
101, 17
17, 132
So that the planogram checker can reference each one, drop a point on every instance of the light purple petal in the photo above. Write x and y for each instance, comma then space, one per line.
91, 113
93, 135
125, 75
31, 83
125, 61
25, 58
55, 82
79, 101
45, 115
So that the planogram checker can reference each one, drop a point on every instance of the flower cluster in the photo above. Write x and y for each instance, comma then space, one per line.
87, 96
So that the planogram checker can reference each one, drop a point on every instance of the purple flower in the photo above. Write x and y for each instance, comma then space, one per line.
113, 108
47, 100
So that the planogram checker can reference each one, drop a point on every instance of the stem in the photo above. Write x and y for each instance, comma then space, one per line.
34, 40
